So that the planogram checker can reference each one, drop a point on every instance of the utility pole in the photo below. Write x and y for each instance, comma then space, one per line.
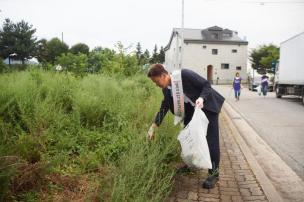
252, 79
61, 37
182, 37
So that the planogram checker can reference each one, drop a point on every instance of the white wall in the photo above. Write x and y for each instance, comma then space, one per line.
172, 56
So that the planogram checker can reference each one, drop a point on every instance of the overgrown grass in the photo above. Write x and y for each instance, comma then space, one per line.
144, 171
58, 132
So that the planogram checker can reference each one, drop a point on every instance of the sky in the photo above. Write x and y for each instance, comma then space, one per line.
105, 22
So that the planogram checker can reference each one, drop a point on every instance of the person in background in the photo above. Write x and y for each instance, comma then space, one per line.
264, 84
237, 86
197, 93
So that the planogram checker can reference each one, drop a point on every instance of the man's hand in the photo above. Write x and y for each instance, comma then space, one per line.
151, 132
199, 103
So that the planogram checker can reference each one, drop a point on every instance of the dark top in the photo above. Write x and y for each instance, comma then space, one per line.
264, 80
237, 83
194, 86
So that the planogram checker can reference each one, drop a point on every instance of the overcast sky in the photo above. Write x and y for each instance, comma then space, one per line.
104, 22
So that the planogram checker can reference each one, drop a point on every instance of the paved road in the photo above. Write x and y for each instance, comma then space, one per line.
237, 181
280, 122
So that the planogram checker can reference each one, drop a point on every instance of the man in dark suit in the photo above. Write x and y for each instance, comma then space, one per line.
197, 93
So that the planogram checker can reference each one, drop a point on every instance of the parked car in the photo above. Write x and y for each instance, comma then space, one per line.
253, 83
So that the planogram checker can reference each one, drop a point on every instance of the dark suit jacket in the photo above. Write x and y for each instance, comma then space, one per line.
194, 86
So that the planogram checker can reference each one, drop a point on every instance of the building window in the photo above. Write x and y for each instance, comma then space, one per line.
214, 36
238, 68
234, 51
204, 47
224, 66
214, 51
227, 35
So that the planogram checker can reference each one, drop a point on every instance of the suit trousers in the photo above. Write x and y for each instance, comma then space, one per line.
212, 134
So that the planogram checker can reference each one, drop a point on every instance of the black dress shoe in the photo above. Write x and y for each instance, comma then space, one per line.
210, 182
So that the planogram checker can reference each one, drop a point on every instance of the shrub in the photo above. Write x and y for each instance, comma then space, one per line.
77, 64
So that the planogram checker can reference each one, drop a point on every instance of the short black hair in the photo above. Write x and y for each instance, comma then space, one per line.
156, 70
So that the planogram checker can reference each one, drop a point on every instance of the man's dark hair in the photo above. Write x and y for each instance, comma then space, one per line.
156, 70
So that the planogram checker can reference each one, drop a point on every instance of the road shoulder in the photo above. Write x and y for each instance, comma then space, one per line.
238, 181
273, 173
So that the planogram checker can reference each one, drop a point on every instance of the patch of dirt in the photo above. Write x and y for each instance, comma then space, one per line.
88, 187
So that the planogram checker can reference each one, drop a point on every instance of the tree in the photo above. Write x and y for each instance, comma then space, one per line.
273, 54
42, 51
95, 64
155, 57
124, 62
138, 53
77, 64
17, 39
97, 49
161, 56
130, 65
263, 57
25, 41
145, 57
54, 49
80, 48
7, 39
100, 59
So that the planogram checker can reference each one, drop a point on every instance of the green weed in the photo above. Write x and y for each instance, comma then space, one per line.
71, 126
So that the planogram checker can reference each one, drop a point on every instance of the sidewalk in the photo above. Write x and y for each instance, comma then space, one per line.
238, 181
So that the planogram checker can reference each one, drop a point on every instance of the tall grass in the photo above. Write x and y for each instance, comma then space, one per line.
68, 126
144, 172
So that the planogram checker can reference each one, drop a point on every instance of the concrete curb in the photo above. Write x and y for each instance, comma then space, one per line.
268, 188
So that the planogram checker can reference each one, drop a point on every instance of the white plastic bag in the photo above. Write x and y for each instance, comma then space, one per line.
195, 150
258, 89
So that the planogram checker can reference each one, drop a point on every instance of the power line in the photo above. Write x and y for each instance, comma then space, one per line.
275, 2
260, 2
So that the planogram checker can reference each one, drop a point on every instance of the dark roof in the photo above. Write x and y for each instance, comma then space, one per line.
211, 35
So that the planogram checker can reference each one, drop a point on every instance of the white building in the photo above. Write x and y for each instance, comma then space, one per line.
215, 53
